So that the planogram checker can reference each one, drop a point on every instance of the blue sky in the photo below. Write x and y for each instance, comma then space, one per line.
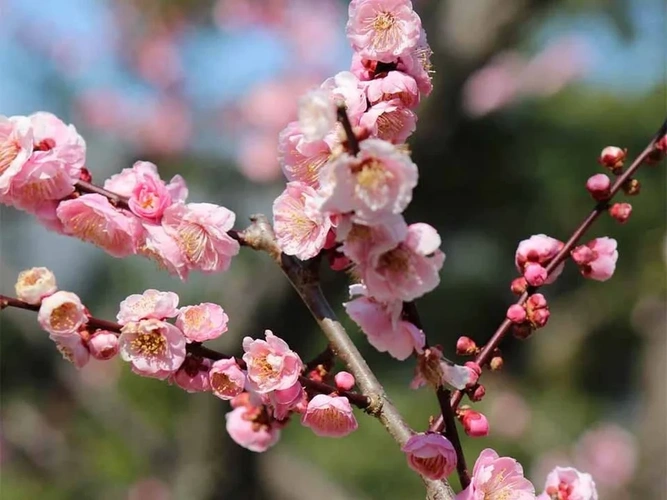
221, 66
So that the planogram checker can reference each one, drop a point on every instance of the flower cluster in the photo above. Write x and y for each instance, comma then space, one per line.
348, 203
42, 171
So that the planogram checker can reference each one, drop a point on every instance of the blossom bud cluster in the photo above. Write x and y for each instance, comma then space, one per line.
42, 163
65, 318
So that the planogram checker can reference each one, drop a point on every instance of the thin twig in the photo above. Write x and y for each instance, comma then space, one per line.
116, 199
411, 314
486, 352
352, 142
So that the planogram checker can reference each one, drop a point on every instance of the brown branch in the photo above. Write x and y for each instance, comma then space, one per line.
116, 199
486, 352
352, 141
198, 349
304, 279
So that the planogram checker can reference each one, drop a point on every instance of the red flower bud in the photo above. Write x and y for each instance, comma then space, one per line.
621, 212
516, 314
519, 285
465, 346
478, 393
599, 186
474, 423
612, 157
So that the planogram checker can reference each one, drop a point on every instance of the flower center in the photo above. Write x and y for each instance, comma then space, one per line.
385, 32
193, 240
220, 382
62, 317
389, 125
197, 319
30, 279
396, 260
371, 175
9, 150
384, 21
150, 344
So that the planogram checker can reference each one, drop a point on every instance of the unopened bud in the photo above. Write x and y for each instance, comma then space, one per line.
465, 346
659, 151
599, 186
85, 175
612, 157
474, 423
631, 187
539, 317
522, 331
478, 394
535, 274
621, 212
474, 371
519, 285
516, 314
536, 301
344, 381
496, 363
103, 345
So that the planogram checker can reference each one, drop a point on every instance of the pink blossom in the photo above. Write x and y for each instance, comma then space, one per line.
390, 121
516, 313
42, 179
431, 455
193, 375
383, 30
226, 378
567, 483
201, 232
532, 257
93, 219
610, 453
375, 183
130, 179
345, 381
157, 245
621, 212
366, 244
417, 63
152, 346
62, 314
299, 159
346, 89
73, 349
408, 271
271, 364
286, 400
475, 424
434, 369
150, 304
597, 258
383, 327
246, 429
612, 157
598, 185
317, 115
35, 284
395, 85
16, 147
58, 141
150, 198
329, 416
301, 228
497, 478
103, 345
203, 322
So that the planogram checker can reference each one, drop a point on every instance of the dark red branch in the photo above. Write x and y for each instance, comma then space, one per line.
352, 142
486, 352
116, 199
200, 350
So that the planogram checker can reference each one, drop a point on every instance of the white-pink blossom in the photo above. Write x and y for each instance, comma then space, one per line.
597, 258
301, 160
383, 30
150, 304
533, 256
206, 321
497, 478
567, 483
93, 219
226, 378
374, 184
301, 228
62, 314
200, 229
152, 346
432, 455
390, 121
249, 433
394, 85
35, 284
271, 364
329, 416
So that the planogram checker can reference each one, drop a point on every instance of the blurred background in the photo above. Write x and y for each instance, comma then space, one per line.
527, 93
